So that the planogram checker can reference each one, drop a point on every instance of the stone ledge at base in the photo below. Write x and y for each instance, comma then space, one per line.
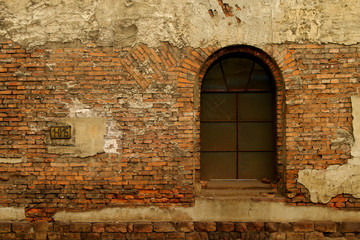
180, 230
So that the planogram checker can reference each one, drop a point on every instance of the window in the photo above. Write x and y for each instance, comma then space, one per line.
237, 120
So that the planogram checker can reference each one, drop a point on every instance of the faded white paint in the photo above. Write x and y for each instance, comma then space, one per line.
337, 179
182, 23
213, 210
12, 214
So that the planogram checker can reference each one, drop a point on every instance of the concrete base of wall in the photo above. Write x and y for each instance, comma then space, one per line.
181, 230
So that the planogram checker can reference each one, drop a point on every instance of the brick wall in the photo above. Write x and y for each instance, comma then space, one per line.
151, 95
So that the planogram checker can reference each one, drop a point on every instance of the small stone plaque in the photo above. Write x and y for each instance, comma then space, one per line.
60, 132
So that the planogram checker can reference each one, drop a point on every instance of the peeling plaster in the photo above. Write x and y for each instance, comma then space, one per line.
337, 179
182, 23
12, 214
11, 160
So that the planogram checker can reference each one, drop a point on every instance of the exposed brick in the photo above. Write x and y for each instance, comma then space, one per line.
42, 226
91, 236
303, 227
225, 226
143, 227
240, 227
175, 235
314, 236
7, 236
5, 227
295, 236
350, 227
41, 236
156, 236
285, 227
197, 236
164, 227
116, 227
25, 236
271, 227
255, 226
80, 227
61, 227
185, 226
21, 227
98, 227
205, 226
325, 227
108, 236
277, 236
72, 236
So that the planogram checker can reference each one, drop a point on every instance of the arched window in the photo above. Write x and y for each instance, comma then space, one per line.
237, 119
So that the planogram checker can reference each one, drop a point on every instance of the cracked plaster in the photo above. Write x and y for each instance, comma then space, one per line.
182, 23
337, 179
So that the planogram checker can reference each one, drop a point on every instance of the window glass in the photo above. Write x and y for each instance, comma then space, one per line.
218, 106
218, 136
218, 165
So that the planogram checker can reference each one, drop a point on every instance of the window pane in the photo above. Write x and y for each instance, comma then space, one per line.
218, 106
255, 136
218, 136
255, 106
237, 72
218, 165
256, 165
214, 79
260, 80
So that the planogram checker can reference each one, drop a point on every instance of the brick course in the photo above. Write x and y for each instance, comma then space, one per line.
123, 231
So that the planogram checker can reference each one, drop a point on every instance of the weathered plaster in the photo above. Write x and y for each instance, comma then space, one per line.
11, 160
87, 137
337, 179
213, 210
12, 214
182, 23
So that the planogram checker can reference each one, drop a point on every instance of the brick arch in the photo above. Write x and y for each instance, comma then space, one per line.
276, 73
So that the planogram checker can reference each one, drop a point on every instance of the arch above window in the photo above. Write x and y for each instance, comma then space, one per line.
237, 119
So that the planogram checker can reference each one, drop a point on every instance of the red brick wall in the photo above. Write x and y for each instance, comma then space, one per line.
152, 96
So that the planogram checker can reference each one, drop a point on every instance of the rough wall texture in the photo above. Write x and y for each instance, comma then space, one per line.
126, 76
181, 23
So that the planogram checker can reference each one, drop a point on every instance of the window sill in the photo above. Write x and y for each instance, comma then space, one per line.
240, 189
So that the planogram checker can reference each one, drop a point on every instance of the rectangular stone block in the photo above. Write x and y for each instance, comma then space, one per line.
5, 227
116, 227
295, 236
164, 227
314, 236
91, 236
185, 226
325, 227
350, 227
61, 227
255, 226
225, 226
205, 226
303, 227
98, 227
21, 227
143, 227
80, 227
240, 227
